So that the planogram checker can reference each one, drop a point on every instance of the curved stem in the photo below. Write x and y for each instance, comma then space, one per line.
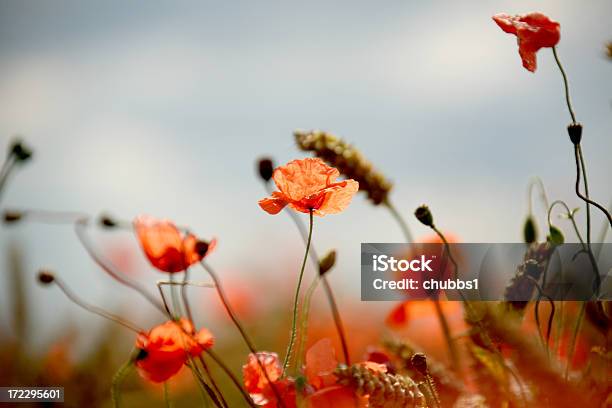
329, 294
566, 86
79, 227
400, 220
243, 333
216, 388
297, 297
118, 378
94, 309
570, 215
304, 325
232, 377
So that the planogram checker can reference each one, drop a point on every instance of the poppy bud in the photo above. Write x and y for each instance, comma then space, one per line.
45, 277
21, 152
530, 233
419, 363
266, 168
201, 248
424, 215
12, 216
107, 221
555, 236
327, 262
575, 132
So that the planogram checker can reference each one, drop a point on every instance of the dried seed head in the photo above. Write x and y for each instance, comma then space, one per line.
348, 160
266, 168
20, 151
327, 262
12, 216
424, 215
575, 133
201, 248
45, 277
383, 390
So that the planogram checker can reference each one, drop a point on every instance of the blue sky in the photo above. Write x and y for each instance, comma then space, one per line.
162, 108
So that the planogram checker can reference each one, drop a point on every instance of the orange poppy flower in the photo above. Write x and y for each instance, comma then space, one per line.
309, 185
167, 347
257, 385
166, 248
533, 31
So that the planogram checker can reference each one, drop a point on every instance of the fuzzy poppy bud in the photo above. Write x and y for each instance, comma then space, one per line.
45, 277
12, 216
575, 133
530, 233
107, 222
201, 248
424, 215
327, 262
555, 236
20, 151
266, 168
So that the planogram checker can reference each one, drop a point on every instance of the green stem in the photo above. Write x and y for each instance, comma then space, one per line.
166, 395
566, 85
297, 297
400, 220
304, 321
118, 378
243, 333
331, 299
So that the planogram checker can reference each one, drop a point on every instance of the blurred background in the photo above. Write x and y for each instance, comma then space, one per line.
162, 108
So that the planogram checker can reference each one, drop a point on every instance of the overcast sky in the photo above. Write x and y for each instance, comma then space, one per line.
162, 107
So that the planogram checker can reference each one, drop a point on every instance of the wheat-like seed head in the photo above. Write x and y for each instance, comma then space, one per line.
348, 160
383, 390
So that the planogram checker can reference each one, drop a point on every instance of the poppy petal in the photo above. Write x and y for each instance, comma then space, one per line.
338, 197
303, 178
273, 205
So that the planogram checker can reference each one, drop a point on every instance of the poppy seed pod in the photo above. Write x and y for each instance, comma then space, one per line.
424, 215
45, 277
20, 151
327, 262
266, 168
530, 233
575, 133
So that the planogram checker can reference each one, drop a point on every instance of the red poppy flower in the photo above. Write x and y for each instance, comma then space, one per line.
167, 347
257, 385
320, 364
533, 31
167, 249
309, 185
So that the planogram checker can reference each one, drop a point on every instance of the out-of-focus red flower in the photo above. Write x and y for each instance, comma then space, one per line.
167, 347
533, 31
309, 185
320, 364
257, 385
167, 249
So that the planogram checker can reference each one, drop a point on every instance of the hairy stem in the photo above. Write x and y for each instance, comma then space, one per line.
297, 297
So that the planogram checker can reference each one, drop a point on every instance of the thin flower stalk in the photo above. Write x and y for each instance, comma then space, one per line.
238, 324
296, 298
329, 294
